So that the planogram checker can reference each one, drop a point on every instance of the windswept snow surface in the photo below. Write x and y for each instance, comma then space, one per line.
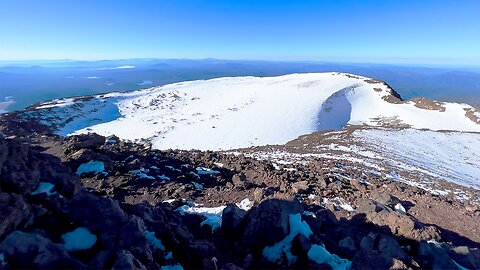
228, 113
453, 156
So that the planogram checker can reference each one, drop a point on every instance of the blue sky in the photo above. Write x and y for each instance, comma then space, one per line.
389, 31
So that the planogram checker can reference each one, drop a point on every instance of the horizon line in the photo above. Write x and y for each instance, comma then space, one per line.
346, 60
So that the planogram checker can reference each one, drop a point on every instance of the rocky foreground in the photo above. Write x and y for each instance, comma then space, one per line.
94, 202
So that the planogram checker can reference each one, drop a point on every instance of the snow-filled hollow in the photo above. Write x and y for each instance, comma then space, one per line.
237, 112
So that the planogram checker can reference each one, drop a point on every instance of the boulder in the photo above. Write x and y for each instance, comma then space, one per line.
83, 141
88, 210
465, 256
396, 223
239, 180
432, 256
348, 243
32, 251
14, 212
232, 218
389, 246
132, 238
367, 259
301, 245
367, 206
300, 187
384, 198
268, 223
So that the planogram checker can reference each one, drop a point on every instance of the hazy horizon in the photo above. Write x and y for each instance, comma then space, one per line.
389, 32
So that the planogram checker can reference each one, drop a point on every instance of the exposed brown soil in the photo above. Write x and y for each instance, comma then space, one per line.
472, 115
428, 104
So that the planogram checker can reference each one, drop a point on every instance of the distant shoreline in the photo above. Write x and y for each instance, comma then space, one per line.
5, 104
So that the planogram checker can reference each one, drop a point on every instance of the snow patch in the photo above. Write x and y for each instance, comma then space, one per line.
44, 187
212, 215
79, 239
399, 208
93, 166
205, 171
246, 204
320, 255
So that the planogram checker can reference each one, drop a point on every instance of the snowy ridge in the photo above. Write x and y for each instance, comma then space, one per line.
238, 112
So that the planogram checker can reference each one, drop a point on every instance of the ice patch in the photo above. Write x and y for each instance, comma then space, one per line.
79, 239
93, 166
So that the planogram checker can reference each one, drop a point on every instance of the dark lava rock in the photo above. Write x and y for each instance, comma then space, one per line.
125, 260
84, 141
367, 259
348, 243
100, 215
14, 211
268, 223
300, 245
370, 206
232, 218
465, 256
132, 238
435, 257
29, 250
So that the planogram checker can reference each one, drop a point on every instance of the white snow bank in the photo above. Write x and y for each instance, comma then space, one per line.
79, 239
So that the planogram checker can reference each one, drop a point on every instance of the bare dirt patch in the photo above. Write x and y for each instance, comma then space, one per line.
428, 104
473, 114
